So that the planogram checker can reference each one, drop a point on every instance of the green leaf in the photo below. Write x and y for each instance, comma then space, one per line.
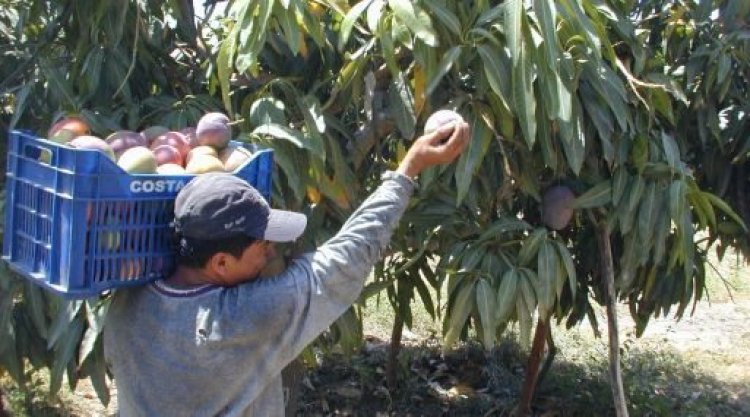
677, 199
292, 136
619, 181
6, 315
471, 258
445, 16
629, 210
66, 314
546, 138
725, 65
494, 14
599, 114
546, 15
57, 82
568, 265
64, 353
225, 66
521, 73
315, 124
573, 138
36, 307
700, 200
288, 162
10, 359
503, 225
449, 58
574, 15
252, 33
486, 306
419, 256
96, 368
402, 109
514, 14
374, 13
506, 295
20, 107
496, 70
529, 288
96, 314
375, 288
647, 214
459, 313
530, 245
471, 159
597, 196
290, 29
524, 321
415, 19
267, 110
547, 274
348, 23
723, 206
662, 102
424, 295
547, 82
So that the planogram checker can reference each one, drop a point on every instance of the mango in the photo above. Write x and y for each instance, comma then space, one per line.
93, 142
167, 154
170, 169
213, 130
175, 139
234, 157
440, 118
201, 164
138, 160
190, 135
63, 136
131, 269
557, 206
151, 133
123, 140
201, 150
74, 125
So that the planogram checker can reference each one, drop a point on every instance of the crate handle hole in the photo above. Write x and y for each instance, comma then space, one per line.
41, 154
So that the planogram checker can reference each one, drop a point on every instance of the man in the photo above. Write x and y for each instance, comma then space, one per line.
212, 340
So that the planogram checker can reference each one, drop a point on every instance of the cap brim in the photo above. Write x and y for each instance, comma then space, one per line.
284, 226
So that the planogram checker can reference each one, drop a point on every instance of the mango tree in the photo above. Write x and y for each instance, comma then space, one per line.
563, 93
584, 183
118, 65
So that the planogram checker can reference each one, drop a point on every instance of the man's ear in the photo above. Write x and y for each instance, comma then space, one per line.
218, 264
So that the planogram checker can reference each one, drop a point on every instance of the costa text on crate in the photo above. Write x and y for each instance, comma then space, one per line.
156, 186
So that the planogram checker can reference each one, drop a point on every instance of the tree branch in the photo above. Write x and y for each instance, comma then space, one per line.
608, 275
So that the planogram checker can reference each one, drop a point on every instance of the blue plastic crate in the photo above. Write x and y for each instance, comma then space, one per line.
78, 224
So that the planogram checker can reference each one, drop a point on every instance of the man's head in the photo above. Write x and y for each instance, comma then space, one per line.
225, 226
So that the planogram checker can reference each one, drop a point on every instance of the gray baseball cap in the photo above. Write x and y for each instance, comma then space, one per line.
219, 205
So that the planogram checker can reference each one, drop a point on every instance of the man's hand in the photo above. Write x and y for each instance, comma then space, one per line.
439, 147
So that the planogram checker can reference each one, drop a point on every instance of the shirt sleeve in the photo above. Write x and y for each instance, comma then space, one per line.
299, 304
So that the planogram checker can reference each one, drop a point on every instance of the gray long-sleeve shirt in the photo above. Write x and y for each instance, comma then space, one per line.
219, 351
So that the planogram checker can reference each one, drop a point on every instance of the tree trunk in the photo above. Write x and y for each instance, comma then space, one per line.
392, 365
532, 367
742, 194
608, 277
551, 352
3, 413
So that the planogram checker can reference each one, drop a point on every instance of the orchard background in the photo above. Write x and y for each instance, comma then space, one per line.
639, 108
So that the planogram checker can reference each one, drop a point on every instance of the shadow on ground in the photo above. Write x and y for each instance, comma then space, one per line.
659, 381
468, 382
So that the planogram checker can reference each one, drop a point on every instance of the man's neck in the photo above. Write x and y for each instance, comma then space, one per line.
188, 277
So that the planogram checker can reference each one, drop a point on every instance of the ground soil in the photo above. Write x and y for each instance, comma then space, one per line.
469, 382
